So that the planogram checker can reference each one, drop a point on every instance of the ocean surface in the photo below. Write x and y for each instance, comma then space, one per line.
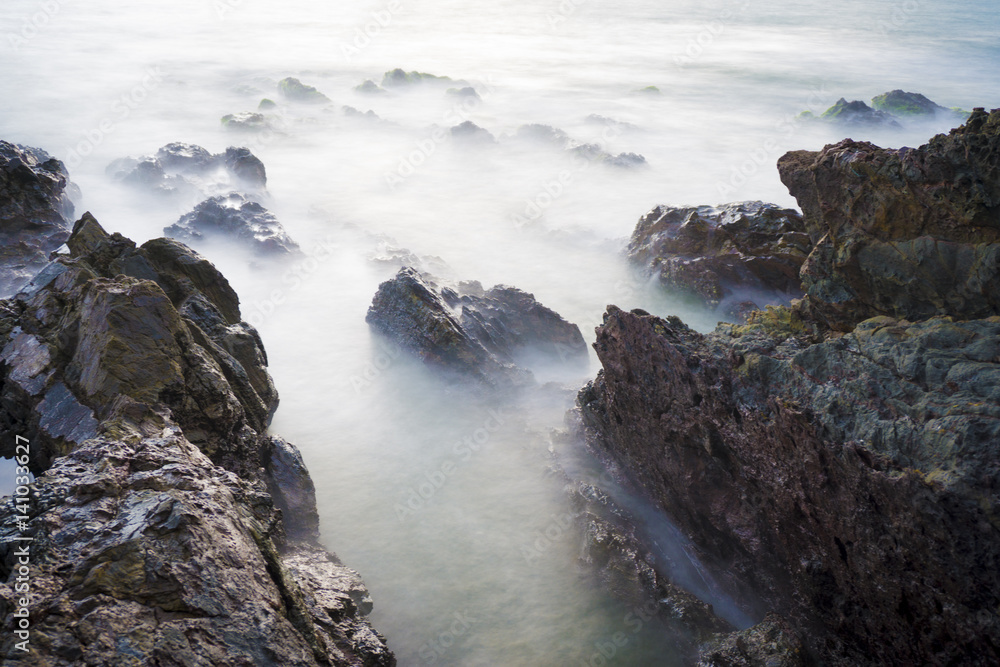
476, 566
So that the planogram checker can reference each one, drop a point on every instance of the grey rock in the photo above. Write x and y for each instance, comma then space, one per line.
235, 216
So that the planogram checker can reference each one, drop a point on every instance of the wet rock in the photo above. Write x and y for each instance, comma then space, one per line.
556, 138
858, 113
187, 169
167, 526
235, 216
351, 112
478, 334
267, 105
246, 121
472, 133
35, 212
594, 153
369, 87
717, 252
468, 92
400, 78
296, 91
771, 643
833, 478
908, 233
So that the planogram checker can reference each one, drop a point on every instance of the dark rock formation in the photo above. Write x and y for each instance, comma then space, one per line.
167, 527
180, 168
471, 133
849, 480
718, 252
858, 113
909, 105
482, 335
236, 216
35, 212
770, 643
911, 233
399, 78
294, 90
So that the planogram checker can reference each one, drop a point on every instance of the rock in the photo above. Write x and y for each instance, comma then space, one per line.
472, 133
351, 112
716, 253
167, 526
267, 105
186, 169
594, 153
234, 215
294, 90
900, 103
909, 233
771, 643
35, 212
468, 92
369, 87
476, 334
648, 90
604, 121
545, 134
849, 483
246, 121
399, 78
858, 113
551, 136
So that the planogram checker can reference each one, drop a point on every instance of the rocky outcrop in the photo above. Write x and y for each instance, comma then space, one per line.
848, 478
35, 212
556, 138
234, 216
858, 113
912, 233
294, 90
487, 336
733, 253
180, 168
166, 526
399, 78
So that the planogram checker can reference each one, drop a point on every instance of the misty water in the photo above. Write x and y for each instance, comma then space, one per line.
437, 497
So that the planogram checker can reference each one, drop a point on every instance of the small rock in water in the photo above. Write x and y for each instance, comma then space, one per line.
472, 133
234, 215
296, 91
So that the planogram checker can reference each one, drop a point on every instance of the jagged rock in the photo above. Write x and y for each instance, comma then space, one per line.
237, 216
478, 334
858, 113
369, 87
715, 252
246, 121
180, 168
907, 233
551, 136
399, 77
771, 643
146, 401
35, 212
545, 134
296, 91
472, 133
351, 112
594, 153
851, 483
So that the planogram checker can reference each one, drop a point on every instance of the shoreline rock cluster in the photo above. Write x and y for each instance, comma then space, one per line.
166, 525
839, 456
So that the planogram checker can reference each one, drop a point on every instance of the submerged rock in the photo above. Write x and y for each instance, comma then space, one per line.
294, 90
858, 113
717, 253
472, 133
181, 168
35, 212
234, 215
246, 121
482, 335
167, 527
398, 78
556, 138
908, 233
369, 87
